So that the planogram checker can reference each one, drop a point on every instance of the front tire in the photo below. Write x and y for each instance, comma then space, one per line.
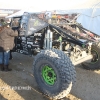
54, 73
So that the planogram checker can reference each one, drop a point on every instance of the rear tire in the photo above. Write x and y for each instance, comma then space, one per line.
95, 62
54, 73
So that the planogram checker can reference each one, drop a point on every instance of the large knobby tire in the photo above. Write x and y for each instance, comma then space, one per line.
95, 62
54, 73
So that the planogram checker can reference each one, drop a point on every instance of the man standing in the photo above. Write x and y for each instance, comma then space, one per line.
6, 44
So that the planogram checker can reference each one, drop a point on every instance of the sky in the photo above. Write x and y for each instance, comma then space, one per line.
43, 5
40, 4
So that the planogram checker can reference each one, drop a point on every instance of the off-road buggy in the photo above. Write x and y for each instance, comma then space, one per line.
58, 46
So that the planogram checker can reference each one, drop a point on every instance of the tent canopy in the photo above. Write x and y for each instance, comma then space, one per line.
89, 11
61, 6
20, 13
90, 20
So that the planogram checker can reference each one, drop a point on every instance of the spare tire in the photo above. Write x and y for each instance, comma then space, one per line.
54, 73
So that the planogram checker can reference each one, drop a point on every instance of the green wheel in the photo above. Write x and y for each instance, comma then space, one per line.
54, 73
48, 75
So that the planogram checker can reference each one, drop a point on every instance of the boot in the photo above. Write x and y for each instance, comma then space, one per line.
6, 68
1, 67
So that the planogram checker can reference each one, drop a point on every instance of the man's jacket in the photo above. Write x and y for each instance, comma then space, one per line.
7, 38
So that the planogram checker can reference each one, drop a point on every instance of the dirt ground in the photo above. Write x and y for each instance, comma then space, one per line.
19, 84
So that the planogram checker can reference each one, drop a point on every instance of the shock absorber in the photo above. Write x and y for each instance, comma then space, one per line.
48, 40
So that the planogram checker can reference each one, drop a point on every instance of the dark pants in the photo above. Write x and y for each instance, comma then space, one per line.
10, 55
